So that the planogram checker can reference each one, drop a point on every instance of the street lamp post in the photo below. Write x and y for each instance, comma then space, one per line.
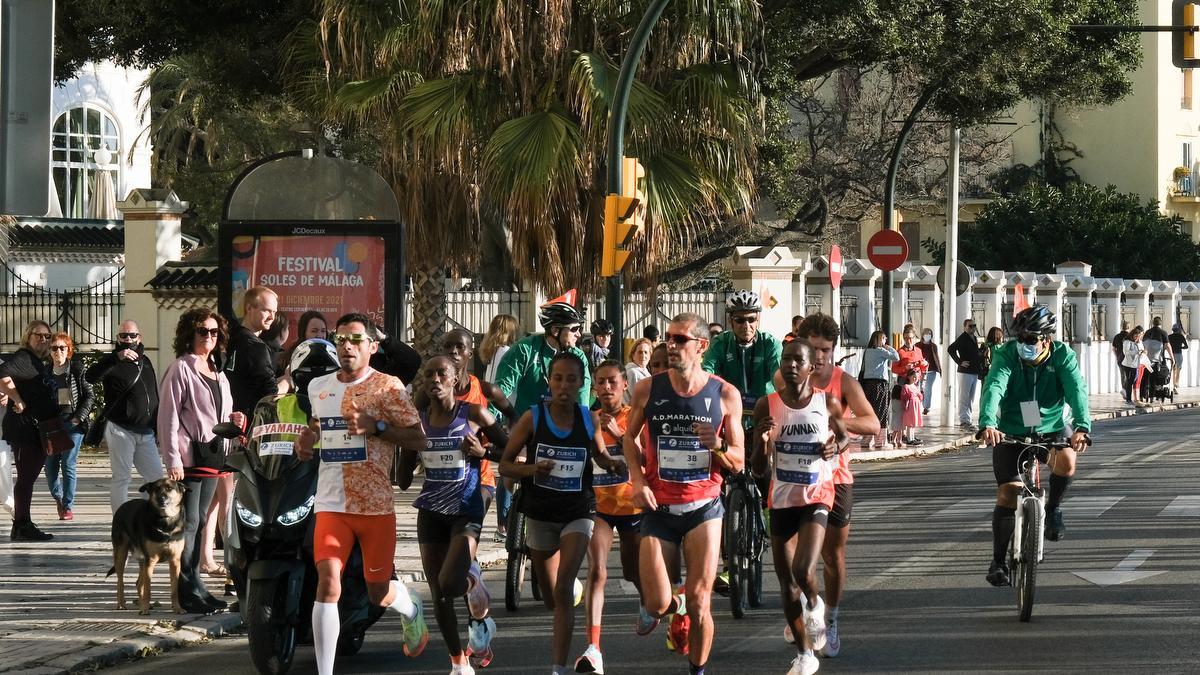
616, 145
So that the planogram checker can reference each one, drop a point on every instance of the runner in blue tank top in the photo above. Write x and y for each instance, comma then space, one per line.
562, 438
451, 508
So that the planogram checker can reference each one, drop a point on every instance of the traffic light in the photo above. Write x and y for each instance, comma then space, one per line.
624, 217
1185, 43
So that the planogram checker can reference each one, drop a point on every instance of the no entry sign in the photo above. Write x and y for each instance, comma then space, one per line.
887, 250
836, 269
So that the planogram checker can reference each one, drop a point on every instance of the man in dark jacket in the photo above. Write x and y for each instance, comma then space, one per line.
131, 411
965, 353
251, 366
1118, 346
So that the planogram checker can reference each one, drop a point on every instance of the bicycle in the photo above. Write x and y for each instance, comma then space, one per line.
745, 541
1027, 548
518, 557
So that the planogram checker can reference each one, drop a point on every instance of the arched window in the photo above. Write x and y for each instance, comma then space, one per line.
78, 133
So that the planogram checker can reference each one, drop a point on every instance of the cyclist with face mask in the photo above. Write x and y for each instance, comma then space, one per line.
524, 372
745, 356
1030, 379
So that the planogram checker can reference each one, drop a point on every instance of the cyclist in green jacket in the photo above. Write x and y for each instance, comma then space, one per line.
745, 356
1023, 395
523, 373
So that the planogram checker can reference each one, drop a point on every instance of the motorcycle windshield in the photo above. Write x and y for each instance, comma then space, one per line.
271, 446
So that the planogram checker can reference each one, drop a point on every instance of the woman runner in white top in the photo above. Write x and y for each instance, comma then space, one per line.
797, 432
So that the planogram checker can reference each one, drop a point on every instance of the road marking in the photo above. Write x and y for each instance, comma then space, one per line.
1173, 448
1184, 506
868, 510
1130, 430
1090, 506
1124, 572
1153, 447
975, 506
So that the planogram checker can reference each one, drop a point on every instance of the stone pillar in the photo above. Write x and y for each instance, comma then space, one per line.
1137, 295
768, 273
858, 286
1189, 310
1028, 281
1166, 303
1108, 296
1049, 292
990, 287
922, 287
818, 284
1095, 357
900, 308
800, 284
153, 220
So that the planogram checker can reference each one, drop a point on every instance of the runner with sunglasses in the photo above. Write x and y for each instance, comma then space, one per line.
683, 431
1023, 395
524, 372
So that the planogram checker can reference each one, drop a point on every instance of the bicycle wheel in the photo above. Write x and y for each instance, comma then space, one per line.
1031, 540
756, 548
514, 573
735, 551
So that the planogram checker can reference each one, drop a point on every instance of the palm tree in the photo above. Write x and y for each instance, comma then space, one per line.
494, 112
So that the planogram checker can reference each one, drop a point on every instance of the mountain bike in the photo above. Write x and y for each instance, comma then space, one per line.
1028, 539
745, 540
518, 557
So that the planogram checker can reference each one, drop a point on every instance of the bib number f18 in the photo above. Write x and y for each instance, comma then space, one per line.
798, 463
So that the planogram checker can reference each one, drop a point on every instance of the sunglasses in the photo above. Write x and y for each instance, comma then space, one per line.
574, 329
352, 338
207, 332
680, 339
42, 336
58, 348
1030, 338
129, 336
745, 319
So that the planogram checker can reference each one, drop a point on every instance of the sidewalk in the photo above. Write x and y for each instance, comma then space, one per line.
57, 610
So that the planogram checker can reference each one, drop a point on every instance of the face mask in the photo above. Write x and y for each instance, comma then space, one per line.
1028, 352
927, 338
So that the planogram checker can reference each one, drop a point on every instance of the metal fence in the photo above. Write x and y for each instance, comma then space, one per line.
91, 315
849, 319
1099, 321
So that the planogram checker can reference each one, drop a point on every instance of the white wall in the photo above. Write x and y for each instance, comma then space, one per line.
63, 276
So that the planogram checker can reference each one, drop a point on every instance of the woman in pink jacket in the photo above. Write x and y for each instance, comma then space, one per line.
193, 397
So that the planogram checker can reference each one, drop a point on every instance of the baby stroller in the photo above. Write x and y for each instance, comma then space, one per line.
1160, 380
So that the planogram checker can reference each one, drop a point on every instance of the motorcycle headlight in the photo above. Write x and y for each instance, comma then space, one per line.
246, 515
297, 514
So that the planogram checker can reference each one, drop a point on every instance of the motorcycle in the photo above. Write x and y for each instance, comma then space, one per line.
269, 543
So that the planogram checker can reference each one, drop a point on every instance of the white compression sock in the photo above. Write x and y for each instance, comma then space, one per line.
402, 603
326, 625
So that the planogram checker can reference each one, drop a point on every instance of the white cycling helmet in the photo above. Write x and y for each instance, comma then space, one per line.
743, 301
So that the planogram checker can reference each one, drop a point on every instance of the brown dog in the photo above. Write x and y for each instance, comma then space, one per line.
152, 528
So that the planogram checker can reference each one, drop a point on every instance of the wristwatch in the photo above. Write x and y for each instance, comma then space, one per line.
380, 427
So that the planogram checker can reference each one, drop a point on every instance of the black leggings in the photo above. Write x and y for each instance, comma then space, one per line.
195, 506
29, 458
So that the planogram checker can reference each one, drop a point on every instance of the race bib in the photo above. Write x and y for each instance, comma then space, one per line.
1031, 414
338, 445
682, 459
444, 460
797, 463
276, 449
567, 474
602, 478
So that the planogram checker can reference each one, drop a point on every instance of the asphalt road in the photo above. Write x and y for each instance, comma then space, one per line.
1120, 594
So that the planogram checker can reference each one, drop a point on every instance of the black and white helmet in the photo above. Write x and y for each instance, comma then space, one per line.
1037, 320
559, 314
743, 301
311, 359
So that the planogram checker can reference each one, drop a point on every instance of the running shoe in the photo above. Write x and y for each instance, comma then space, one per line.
1055, 529
804, 664
590, 661
677, 632
814, 624
578, 592
787, 634
478, 597
998, 574
414, 630
479, 641
833, 643
645, 622
461, 669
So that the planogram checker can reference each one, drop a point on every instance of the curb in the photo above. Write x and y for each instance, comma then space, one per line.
196, 631
920, 451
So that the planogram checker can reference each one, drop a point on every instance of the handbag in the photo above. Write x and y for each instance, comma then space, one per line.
54, 436
209, 454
